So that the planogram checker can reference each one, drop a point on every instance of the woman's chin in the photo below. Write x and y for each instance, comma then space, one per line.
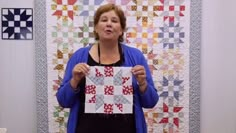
108, 38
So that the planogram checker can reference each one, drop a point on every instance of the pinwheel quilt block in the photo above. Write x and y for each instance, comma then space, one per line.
109, 90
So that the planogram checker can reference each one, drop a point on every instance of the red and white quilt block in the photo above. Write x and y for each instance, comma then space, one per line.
109, 90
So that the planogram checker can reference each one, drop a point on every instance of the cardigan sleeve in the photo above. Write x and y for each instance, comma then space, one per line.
150, 97
134, 57
66, 95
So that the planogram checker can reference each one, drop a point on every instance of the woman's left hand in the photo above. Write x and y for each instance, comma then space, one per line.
140, 75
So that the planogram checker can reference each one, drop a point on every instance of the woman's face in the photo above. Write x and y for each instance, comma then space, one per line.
108, 26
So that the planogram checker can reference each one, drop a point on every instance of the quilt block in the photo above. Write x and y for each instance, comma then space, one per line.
109, 90
17, 23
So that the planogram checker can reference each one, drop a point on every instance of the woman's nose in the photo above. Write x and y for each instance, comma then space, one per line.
109, 23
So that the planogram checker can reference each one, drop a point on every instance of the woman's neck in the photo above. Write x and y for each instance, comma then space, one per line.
108, 48
108, 53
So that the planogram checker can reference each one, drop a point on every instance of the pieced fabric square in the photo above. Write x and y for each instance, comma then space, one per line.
109, 90
17, 23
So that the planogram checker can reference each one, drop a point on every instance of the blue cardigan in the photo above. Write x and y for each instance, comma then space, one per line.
68, 98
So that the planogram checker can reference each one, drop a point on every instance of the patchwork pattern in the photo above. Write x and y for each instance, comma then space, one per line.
60, 114
103, 94
142, 32
64, 9
171, 35
171, 116
86, 35
170, 62
143, 11
17, 23
171, 88
143, 36
65, 36
158, 28
89, 7
151, 116
171, 10
152, 61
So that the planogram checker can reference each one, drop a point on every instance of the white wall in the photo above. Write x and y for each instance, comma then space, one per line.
17, 80
218, 75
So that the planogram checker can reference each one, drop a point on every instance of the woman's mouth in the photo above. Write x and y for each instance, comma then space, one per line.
108, 31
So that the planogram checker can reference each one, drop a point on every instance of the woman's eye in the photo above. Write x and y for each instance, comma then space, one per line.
115, 21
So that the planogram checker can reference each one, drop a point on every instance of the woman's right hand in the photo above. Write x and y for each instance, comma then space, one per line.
79, 71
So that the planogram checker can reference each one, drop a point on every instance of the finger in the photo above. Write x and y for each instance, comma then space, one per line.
139, 72
84, 69
81, 68
142, 76
77, 75
137, 68
84, 64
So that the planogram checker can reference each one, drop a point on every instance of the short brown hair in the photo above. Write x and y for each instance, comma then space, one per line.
106, 8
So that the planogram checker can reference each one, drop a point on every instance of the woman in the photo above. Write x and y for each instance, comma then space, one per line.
109, 26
